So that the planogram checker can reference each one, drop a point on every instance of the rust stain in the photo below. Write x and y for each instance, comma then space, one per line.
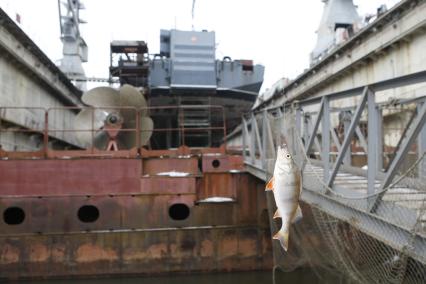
228, 247
266, 244
121, 204
183, 249
131, 255
92, 253
206, 248
38, 253
174, 252
58, 253
9, 254
157, 251
247, 247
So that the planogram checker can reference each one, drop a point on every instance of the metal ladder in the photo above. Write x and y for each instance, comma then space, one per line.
195, 118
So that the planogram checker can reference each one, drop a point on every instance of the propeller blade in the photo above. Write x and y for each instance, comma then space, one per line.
101, 97
147, 125
131, 97
127, 139
83, 125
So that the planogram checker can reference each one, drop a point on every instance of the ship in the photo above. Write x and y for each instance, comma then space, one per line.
141, 182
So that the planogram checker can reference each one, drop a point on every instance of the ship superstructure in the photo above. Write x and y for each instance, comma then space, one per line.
186, 73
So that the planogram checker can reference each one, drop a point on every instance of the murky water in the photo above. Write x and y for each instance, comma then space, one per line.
262, 277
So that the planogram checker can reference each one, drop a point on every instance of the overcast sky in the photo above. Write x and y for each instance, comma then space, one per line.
279, 34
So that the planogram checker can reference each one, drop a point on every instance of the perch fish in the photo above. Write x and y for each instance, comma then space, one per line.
286, 186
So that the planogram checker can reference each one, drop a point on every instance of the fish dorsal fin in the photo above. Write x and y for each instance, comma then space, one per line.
270, 184
298, 215
276, 215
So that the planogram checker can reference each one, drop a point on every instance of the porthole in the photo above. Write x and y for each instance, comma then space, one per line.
179, 211
88, 213
13, 216
215, 163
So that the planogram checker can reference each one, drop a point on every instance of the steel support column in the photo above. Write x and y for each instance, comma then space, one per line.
372, 142
379, 151
422, 147
255, 130
325, 123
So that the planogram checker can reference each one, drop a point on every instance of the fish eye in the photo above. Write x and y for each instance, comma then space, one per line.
287, 156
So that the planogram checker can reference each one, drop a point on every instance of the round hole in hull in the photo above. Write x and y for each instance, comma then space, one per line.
179, 211
215, 163
88, 213
13, 216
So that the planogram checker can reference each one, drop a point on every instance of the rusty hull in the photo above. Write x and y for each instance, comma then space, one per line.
134, 234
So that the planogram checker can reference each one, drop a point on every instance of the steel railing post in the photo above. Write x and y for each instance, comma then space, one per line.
422, 147
257, 137
372, 142
379, 147
325, 123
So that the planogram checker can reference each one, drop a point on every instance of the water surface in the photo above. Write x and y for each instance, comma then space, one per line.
261, 277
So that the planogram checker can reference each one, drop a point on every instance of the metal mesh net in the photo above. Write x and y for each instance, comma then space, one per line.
328, 243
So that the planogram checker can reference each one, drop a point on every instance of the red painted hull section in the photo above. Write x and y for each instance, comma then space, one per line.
134, 233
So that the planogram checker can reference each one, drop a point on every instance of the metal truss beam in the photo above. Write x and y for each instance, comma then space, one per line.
315, 128
348, 137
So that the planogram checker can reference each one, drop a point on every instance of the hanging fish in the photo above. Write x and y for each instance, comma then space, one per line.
286, 186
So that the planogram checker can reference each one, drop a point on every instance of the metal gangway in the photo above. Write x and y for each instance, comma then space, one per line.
367, 195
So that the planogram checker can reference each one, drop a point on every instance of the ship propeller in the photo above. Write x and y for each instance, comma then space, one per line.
114, 113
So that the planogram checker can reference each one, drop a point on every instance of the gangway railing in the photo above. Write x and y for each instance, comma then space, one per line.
354, 167
60, 140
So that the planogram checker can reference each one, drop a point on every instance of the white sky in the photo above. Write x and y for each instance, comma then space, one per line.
279, 34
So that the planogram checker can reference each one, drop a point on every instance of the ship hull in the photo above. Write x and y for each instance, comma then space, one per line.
134, 231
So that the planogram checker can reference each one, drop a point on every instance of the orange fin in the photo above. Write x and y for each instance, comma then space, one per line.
277, 214
270, 184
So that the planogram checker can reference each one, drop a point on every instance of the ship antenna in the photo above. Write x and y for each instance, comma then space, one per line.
193, 12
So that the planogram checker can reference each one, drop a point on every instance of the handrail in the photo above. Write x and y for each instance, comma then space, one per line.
52, 131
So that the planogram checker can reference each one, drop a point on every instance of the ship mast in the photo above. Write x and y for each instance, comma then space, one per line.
193, 13
74, 47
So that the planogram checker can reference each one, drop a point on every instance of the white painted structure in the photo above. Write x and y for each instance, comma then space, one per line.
29, 78
391, 46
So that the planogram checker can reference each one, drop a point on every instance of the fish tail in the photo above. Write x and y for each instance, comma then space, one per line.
282, 236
